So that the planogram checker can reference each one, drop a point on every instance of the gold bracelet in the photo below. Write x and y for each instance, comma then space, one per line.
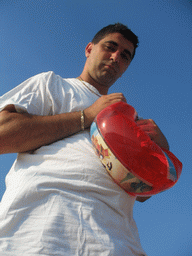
82, 120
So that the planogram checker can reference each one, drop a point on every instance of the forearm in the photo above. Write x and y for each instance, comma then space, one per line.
24, 132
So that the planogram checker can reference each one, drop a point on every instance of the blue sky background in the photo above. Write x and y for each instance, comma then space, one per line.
38, 36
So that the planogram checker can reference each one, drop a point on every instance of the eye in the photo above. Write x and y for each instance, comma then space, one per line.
126, 57
110, 48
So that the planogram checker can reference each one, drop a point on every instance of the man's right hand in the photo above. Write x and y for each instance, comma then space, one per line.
103, 102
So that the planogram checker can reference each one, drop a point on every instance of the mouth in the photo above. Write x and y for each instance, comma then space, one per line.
111, 67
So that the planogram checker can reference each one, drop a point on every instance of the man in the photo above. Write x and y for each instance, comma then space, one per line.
59, 199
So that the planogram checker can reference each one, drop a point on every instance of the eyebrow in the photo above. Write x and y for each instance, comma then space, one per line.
116, 44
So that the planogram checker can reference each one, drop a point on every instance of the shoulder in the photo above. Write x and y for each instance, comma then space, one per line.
46, 75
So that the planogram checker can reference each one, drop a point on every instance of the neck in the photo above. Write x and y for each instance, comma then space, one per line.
103, 90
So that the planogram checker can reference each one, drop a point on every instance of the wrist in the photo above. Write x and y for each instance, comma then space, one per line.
88, 118
82, 120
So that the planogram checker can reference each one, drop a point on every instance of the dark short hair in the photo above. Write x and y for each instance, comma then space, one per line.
117, 28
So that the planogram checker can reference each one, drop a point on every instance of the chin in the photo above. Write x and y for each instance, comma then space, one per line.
108, 79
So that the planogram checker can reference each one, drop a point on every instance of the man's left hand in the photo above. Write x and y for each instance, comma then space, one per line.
153, 131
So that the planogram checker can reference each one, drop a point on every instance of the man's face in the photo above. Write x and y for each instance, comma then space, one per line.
109, 59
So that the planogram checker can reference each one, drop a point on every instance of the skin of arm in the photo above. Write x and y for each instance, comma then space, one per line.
153, 131
22, 132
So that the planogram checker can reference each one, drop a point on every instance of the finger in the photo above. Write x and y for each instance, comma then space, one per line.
146, 122
152, 122
118, 96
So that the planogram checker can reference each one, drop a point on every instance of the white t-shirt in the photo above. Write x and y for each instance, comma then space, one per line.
60, 200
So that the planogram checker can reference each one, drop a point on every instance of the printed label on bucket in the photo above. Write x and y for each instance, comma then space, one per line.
121, 175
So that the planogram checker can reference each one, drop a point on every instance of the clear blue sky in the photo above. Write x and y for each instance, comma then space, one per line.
43, 35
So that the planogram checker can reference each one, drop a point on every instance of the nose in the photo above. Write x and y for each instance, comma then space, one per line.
115, 56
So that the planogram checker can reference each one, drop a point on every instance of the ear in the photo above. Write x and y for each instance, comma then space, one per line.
88, 49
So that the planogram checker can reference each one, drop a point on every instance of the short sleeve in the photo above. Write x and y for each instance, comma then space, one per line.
32, 96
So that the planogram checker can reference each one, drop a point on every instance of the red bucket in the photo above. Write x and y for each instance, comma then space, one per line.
133, 160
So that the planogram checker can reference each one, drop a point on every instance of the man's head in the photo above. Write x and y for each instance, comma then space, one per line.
117, 28
109, 55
